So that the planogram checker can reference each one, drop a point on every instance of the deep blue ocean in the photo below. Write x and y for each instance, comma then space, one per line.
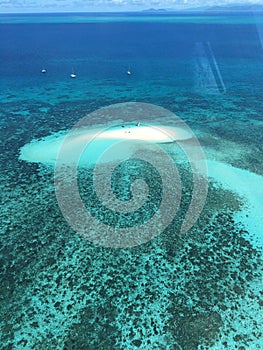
59, 290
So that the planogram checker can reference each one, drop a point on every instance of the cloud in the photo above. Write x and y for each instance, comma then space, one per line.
105, 5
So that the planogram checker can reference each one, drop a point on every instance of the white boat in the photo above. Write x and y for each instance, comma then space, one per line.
43, 70
73, 75
129, 71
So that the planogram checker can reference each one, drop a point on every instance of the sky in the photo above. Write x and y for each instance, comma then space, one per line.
24, 6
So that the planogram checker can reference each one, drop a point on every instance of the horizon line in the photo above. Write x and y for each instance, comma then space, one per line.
157, 12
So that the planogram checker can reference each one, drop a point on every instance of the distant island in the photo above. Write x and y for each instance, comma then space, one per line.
153, 10
224, 8
236, 8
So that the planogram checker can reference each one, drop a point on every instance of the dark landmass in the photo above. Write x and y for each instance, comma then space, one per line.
225, 8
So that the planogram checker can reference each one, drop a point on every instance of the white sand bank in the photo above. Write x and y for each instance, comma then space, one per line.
95, 142
248, 186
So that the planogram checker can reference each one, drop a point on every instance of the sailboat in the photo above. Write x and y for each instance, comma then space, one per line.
73, 75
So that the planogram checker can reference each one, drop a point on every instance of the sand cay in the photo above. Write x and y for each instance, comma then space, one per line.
92, 142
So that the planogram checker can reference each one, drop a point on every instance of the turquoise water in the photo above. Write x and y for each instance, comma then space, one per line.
202, 290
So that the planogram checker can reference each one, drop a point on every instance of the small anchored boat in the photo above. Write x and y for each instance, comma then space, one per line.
73, 75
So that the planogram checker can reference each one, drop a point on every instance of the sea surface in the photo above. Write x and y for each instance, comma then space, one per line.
198, 290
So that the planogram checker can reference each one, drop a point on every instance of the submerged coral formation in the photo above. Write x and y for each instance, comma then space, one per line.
174, 292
